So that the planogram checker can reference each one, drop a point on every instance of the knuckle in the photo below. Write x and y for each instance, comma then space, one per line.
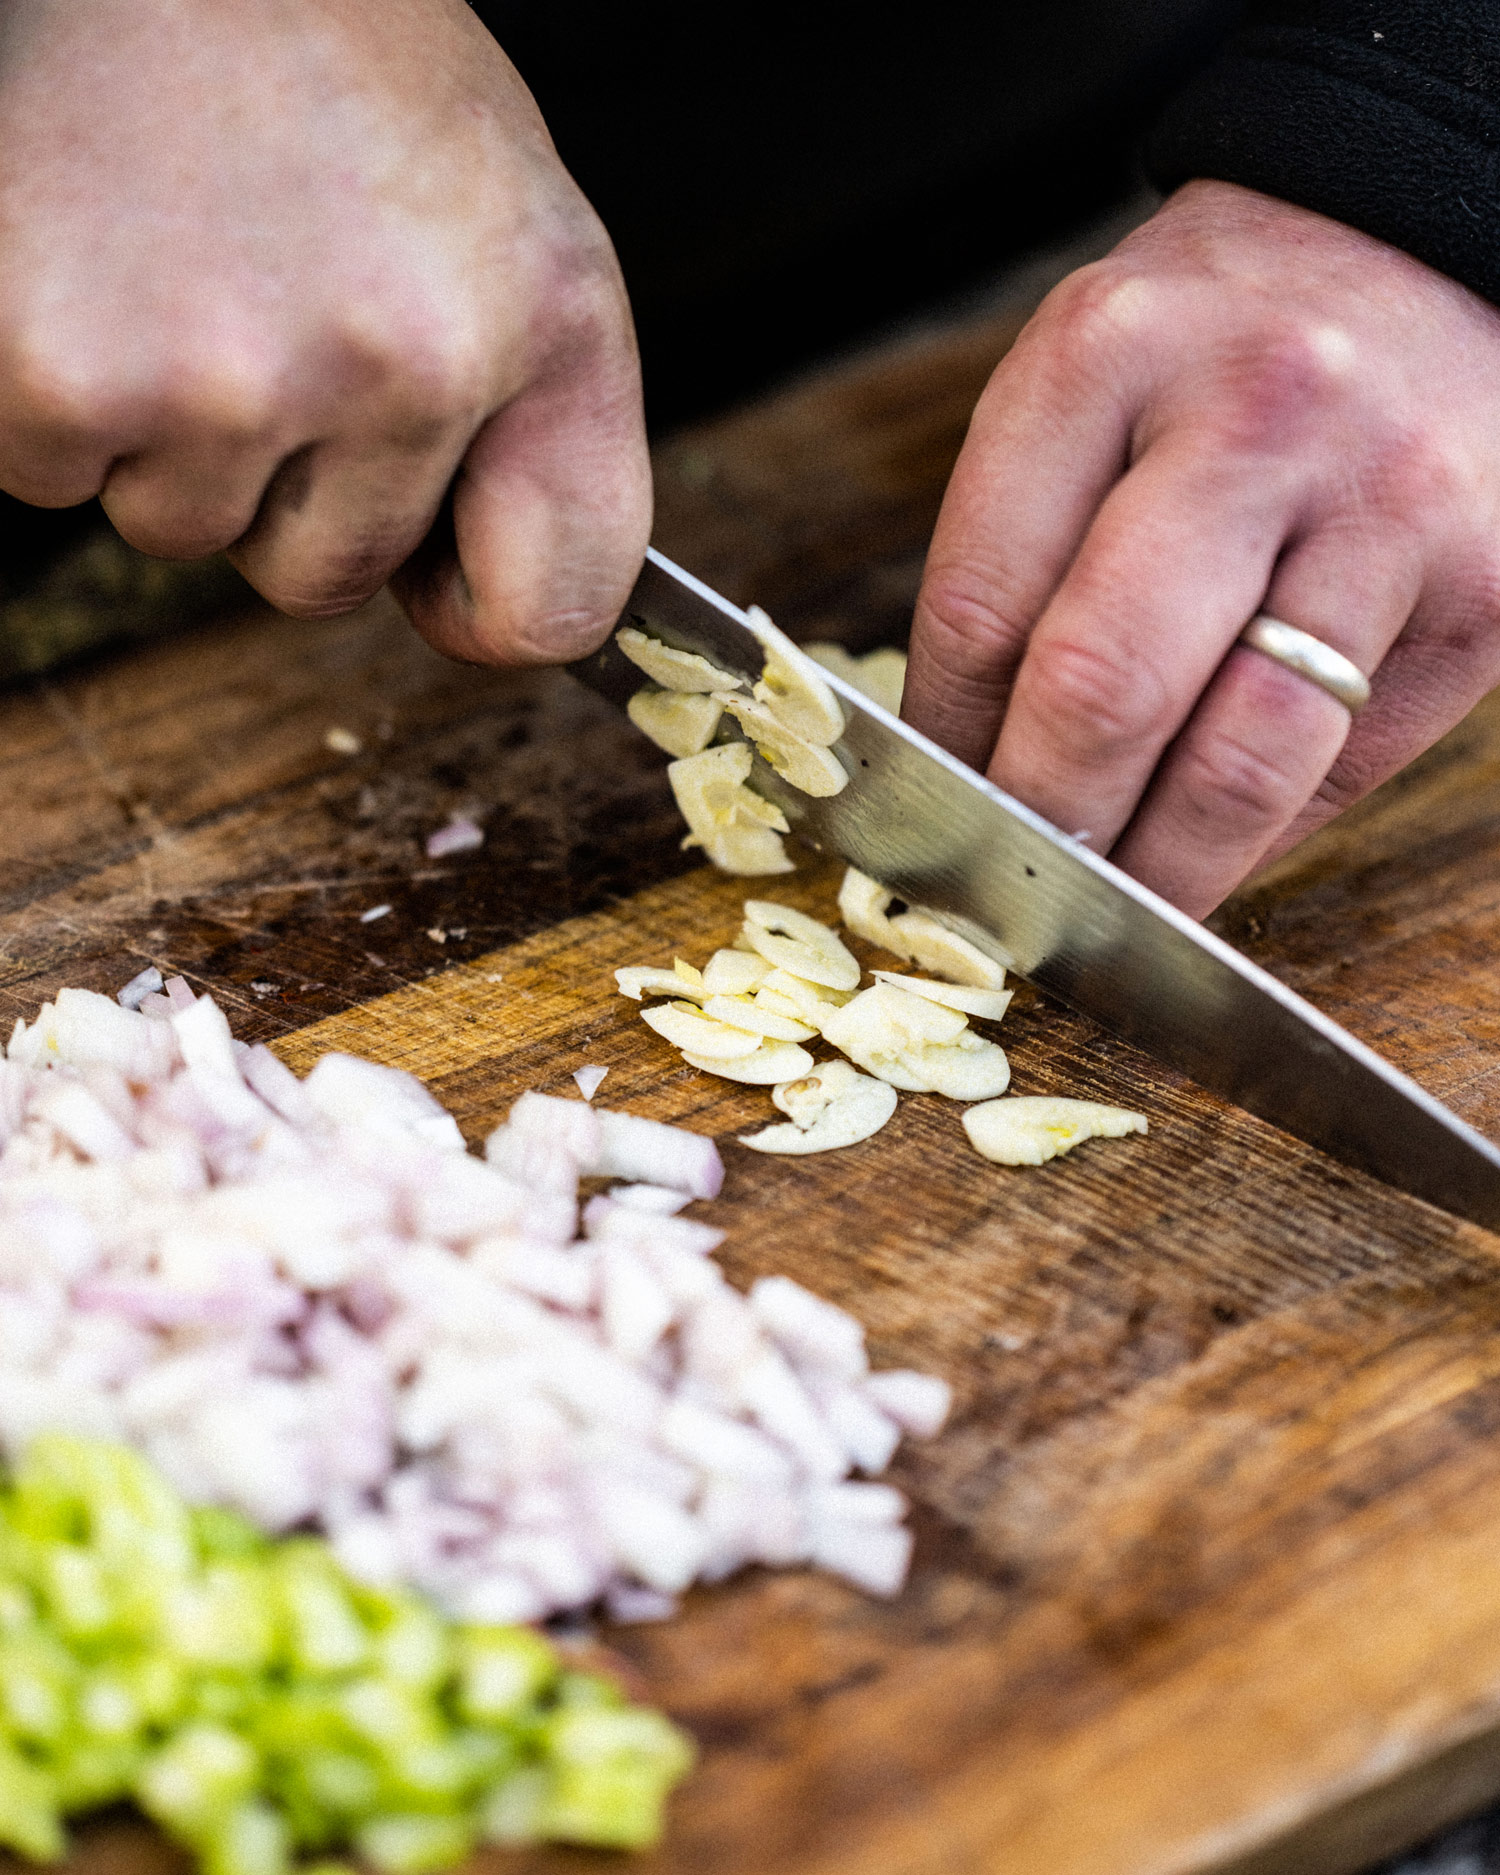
968, 614
1097, 308
1279, 382
1230, 781
1096, 696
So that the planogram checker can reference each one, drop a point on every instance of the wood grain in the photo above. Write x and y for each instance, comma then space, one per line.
1208, 1564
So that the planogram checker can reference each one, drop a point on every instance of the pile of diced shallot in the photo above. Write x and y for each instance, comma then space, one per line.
307, 1300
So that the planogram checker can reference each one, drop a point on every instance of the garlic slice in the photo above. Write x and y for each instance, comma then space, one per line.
734, 973
681, 722
673, 669
934, 947
890, 1019
793, 688
799, 945
813, 770
832, 1107
917, 1045
863, 903
735, 827
637, 980
787, 995
771, 1062
879, 675
988, 1005
687, 1028
969, 1069
1030, 1129
743, 1012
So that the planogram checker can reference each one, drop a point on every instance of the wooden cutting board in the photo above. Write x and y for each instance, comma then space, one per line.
1208, 1562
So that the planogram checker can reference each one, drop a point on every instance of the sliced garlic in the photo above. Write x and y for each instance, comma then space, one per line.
799, 945
734, 973
863, 903
879, 675
934, 947
788, 995
988, 1005
1030, 1129
831, 1107
743, 1012
884, 1018
673, 669
915, 935
792, 686
637, 980
771, 1062
734, 826
969, 1069
813, 770
917, 1045
680, 721
687, 1028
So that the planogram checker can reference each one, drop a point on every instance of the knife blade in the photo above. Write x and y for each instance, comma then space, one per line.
939, 835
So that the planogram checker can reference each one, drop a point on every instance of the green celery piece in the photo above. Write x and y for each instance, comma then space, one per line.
512, 1813
324, 1633
224, 1535
88, 1772
587, 1692
30, 1814
413, 1645
225, 1618
416, 1845
611, 1772
103, 1494
79, 1595
501, 1672
392, 1718
250, 1840
227, 1698
434, 1775
295, 1721
198, 1777
107, 1706
38, 1680
18, 1610
342, 1783
158, 1683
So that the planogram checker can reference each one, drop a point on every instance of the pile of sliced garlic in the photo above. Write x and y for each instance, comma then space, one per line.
788, 981
791, 719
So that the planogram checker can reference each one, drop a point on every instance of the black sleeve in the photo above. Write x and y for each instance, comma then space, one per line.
1381, 113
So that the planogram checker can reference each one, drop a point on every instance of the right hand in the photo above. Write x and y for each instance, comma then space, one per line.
280, 274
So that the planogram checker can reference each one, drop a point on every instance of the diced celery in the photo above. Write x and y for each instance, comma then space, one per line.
197, 1778
251, 1839
611, 1772
587, 1692
224, 1618
413, 1646
17, 1606
79, 1595
512, 1813
38, 1677
501, 1671
159, 1684
343, 1782
293, 1721
91, 1771
433, 1774
106, 1495
225, 1535
324, 1633
415, 1845
391, 1717
107, 1706
30, 1813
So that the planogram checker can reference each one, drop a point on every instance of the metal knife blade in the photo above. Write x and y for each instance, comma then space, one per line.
942, 836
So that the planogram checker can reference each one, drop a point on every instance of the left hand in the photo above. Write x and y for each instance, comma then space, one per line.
1246, 407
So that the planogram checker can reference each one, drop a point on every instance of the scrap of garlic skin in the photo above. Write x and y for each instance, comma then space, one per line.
833, 1106
798, 944
738, 830
804, 765
1030, 1129
914, 935
673, 669
792, 687
680, 721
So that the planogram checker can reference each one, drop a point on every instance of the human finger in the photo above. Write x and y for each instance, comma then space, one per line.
551, 513
1178, 557
1263, 738
1049, 437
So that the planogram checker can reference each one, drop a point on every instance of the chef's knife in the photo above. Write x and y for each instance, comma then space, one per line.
941, 836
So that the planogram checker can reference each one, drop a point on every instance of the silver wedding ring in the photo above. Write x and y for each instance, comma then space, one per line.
1309, 657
